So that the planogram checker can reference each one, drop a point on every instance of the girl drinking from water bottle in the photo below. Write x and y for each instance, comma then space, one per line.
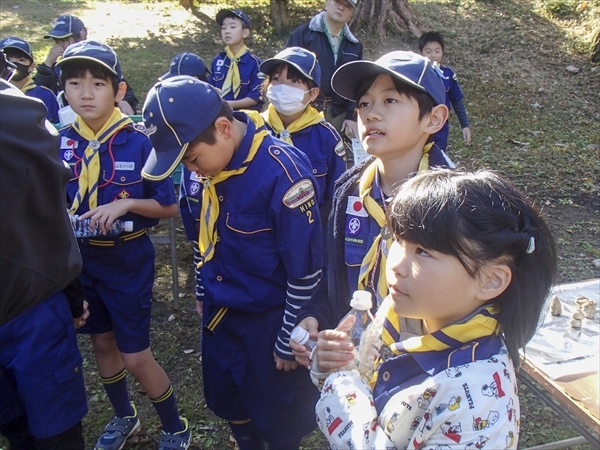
475, 261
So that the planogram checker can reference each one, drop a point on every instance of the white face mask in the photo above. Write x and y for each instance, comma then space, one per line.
287, 100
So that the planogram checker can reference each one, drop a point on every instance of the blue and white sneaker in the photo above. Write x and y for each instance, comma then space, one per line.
117, 431
180, 440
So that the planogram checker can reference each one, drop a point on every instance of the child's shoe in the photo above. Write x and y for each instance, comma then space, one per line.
117, 431
180, 440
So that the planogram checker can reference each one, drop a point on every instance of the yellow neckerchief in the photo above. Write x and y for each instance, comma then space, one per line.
370, 261
28, 86
233, 80
90, 165
309, 117
210, 201
481, 323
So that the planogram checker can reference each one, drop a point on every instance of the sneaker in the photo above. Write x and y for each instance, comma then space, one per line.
117, 431
180, 440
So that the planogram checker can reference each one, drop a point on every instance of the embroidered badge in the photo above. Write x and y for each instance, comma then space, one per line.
121, 195
353, 226
194, 188
139, 127
355, 207
67, 155
299, 194
339, 149
66, 142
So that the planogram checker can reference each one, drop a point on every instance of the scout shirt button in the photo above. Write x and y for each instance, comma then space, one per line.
220, 198
386, 376
76, 369
219, 278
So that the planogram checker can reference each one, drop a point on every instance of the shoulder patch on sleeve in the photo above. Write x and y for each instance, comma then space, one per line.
298, 194
140, 127
340, 149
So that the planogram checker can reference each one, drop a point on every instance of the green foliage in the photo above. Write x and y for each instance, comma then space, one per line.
562, 9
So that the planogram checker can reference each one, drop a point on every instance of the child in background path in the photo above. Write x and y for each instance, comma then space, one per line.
235, 71
294, 77
19, 53
479, 282
261, 253
400, 104
431, 45
106, 154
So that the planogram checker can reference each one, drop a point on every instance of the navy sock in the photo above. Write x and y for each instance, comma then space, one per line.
116, 389
166, 407
247, 436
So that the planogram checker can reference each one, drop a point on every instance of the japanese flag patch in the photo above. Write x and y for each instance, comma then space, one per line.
355, 207
66, 142
299, 194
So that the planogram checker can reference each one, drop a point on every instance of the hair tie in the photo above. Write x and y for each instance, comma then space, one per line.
531, 246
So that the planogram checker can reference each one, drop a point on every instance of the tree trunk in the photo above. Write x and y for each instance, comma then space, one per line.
190, 4
279, 14
596, 48
383, 14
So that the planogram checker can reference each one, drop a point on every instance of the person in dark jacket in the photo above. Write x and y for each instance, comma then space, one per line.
43, 393
328, 36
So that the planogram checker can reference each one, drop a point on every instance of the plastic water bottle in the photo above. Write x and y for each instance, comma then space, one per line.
302, 337
356, 322
81, 228
371, 342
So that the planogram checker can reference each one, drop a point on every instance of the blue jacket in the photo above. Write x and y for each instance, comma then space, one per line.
311, 36
250, 83
49, 99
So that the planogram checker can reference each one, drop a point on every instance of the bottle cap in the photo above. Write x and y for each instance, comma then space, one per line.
300, 336
361, 300
128, 225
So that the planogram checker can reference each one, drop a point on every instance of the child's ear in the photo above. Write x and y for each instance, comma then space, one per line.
494, 278
246, 33
223, 127
437, 118
314, 93
121, 91
31, 67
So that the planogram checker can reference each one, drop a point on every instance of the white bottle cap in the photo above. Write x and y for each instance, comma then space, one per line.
361, 300
128, 225
300, 336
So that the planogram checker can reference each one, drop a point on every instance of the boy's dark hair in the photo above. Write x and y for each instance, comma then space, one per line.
481, 218
292, 74
430, 36
78, 68
424, 100
233, 16
208, 135
16, 53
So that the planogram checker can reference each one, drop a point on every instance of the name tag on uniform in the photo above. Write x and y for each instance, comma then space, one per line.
124, 165
66, 142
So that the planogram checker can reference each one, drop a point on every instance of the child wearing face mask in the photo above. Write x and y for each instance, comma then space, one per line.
18, 51
294, 76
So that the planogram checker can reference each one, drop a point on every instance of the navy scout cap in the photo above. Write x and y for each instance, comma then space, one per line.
408, 67
17, 43
221, 15
93, 51
176, 111
186, 64
65, 26
302, 59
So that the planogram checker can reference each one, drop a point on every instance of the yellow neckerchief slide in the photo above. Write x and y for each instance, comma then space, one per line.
309, 117
233, 80
90, 167
210, 201
370, 261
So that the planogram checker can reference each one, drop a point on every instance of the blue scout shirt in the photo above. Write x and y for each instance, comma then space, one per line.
324, 148
249, 69
49, 99
121, 160
453, 94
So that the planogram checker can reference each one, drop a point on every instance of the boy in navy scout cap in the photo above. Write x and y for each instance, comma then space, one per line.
294, 79
261, 254
18, 51
400, 103
235, 71
106, 154
187, 63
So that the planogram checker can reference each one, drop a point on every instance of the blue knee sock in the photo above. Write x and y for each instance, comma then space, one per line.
247, 436
116, 389
166, 407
